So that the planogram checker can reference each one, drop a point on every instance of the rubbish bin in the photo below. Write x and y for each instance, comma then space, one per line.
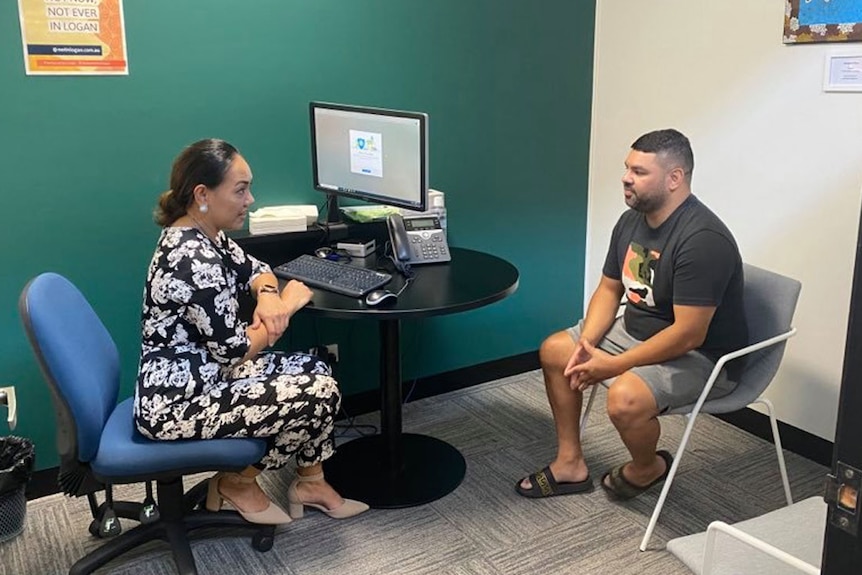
17, 455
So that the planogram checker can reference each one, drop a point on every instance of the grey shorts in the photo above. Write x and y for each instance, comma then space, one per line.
674, 383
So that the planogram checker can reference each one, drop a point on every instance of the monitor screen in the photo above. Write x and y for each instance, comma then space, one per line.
370, 154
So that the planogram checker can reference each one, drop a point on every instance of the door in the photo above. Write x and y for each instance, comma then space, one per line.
842, 549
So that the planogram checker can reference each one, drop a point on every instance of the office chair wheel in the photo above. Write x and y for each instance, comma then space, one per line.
94, 528
262, 540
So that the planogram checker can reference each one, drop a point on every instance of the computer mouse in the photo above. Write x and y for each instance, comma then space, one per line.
378, 296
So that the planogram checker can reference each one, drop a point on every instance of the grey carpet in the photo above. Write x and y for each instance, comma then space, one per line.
504, 429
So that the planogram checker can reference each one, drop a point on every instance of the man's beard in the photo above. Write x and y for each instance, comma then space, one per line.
643, 204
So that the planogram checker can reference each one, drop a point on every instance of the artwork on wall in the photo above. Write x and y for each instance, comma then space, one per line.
808, 21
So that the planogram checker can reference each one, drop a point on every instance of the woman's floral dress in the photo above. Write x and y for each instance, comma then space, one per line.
192, 383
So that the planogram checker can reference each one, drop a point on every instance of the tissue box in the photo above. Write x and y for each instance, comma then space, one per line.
279, 219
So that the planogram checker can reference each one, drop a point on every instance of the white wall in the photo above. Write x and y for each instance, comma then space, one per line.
776, 157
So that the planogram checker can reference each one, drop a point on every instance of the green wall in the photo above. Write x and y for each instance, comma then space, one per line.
507, 85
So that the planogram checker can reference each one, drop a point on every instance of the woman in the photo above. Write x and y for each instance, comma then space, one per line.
202, 373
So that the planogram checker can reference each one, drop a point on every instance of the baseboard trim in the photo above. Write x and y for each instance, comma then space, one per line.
44, 482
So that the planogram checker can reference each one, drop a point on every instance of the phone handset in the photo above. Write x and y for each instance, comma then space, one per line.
398, 237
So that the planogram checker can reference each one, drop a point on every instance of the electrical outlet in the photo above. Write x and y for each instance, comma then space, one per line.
332, 350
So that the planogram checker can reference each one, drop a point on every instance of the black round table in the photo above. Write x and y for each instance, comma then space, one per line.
394, 469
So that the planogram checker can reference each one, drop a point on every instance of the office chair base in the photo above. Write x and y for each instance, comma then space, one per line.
175, 533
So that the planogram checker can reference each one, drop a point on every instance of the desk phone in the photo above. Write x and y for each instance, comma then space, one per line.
418, 240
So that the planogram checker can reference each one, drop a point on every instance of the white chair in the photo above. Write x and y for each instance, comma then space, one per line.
715, 527
770, 302
787, 541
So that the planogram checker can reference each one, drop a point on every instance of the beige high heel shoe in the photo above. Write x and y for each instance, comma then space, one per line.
272, 515
296, 506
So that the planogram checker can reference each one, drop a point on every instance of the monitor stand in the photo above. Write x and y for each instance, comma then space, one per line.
336, 228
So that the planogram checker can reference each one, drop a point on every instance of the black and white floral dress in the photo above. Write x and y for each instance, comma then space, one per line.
192, 383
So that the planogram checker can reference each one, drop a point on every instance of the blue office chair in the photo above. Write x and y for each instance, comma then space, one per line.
100, 447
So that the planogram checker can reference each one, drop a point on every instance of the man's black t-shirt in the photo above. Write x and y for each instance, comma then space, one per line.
690, 259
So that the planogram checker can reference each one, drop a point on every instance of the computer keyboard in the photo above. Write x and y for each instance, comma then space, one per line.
326, 274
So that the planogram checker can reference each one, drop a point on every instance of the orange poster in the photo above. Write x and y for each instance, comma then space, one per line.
65, 37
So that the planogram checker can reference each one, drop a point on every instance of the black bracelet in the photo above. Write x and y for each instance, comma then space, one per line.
267, 288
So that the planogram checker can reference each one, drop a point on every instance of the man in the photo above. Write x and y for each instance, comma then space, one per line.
680, 271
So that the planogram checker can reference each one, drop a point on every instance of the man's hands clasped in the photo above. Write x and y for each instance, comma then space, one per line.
590, 365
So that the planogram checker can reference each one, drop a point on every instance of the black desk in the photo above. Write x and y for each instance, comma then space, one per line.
395, 469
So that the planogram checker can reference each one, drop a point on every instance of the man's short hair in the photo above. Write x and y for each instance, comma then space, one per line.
671, 144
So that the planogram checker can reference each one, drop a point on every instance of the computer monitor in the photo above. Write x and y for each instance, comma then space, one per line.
370, 154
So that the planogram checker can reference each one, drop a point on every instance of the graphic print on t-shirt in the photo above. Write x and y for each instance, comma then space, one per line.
638, 273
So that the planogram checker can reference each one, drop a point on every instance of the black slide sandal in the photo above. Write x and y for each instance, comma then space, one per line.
543, 484
621, 488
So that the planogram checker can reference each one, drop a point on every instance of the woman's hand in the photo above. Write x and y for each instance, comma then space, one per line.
272, 313
295, 295
274, 309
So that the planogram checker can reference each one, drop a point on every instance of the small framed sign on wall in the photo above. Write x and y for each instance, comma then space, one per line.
807, 21
843, 73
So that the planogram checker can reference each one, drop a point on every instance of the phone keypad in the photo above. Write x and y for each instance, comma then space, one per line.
429, 246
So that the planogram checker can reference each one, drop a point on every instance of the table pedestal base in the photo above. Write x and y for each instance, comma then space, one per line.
425, 470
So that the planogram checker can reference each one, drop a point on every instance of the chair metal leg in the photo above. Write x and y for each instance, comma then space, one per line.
587, 409
672, 473
667, 482
776, 438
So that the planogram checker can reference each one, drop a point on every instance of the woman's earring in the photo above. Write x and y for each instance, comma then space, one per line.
204, 208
